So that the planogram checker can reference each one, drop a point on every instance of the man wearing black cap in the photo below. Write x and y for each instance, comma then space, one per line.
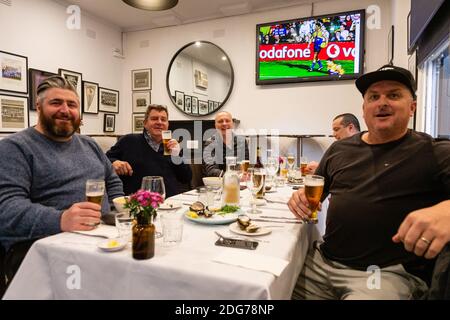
389, 207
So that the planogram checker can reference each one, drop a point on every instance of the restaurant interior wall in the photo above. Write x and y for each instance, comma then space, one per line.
306, 108
37, 29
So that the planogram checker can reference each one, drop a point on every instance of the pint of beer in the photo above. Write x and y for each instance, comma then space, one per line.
313, 192
95, 190
303, 165
244, 165
262, 176
166, 136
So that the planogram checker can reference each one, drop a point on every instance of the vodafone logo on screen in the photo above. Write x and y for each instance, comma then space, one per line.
334, 50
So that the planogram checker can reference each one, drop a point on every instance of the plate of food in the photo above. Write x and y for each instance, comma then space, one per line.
247, 231
200, 214
111, 245
170, 205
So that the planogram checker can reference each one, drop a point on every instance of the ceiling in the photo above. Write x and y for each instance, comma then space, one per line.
127, 18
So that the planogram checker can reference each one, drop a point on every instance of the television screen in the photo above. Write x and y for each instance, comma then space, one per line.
329, 47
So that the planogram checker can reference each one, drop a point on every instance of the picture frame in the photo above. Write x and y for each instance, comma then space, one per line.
137, 122
90, 97
194, 105
109, 122
216, 105
14, 115
35, 78
187, 104
141, 79
14, 72
141, 100
75, 78
210, 106
179, 99
202, 107
108, 100
391, 46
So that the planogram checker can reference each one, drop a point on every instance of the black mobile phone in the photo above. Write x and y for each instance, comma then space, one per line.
237, 243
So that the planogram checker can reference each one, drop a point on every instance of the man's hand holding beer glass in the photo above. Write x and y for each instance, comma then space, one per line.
82, 216
299, 204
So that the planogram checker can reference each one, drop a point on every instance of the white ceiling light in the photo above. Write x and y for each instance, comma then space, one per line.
152, 5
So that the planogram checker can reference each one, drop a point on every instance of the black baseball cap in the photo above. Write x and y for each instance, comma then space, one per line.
387, 72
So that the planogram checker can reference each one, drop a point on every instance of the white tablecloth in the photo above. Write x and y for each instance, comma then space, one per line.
70, 266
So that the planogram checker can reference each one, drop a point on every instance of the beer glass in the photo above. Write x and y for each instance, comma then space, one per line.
291, 161
95, 189
255, 183
154, 184
313, 192
303, 165
166, 136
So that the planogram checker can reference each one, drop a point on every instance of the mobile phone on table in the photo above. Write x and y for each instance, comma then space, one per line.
237, 243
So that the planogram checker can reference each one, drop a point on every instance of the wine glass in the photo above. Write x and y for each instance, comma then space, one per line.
154, 184
254, 183
271, 168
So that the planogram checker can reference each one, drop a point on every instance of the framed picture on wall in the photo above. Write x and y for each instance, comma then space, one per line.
108, 100
179, 99
13, 113
14, 72
109, 123
216, 105
90, 97
35, 78
202, 107
75, 78
141, 79
137, 123
141, 100
187, 104
194, 105
210, 106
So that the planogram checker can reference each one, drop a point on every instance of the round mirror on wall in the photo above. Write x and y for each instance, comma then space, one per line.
200, 78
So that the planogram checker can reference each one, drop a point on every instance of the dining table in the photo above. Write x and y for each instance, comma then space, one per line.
70, 265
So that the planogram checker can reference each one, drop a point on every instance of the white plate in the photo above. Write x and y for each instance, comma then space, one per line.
170, 205
261, 231
106, 245
215, 219
270, 191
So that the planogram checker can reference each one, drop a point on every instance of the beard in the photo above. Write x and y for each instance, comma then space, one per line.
61, 130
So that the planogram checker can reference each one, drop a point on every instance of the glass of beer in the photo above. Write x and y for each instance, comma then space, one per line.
313, 192
303, 165
95, 189
255, 183
166, 136
291, 161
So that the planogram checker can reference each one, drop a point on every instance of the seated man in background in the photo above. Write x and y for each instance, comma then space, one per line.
223, 144
135, 156
43, 173
344, 126
390, 204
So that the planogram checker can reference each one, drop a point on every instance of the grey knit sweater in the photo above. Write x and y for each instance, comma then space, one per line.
40, 178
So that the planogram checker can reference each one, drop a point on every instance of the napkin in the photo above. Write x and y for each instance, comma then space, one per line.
277, 199
102, 231
252, 261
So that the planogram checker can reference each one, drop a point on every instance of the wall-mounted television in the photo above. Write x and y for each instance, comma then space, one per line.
327, 47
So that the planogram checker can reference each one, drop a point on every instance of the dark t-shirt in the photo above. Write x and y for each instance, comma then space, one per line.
373, 188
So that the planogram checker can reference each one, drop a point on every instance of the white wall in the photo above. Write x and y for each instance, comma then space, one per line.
306, 108
37, 29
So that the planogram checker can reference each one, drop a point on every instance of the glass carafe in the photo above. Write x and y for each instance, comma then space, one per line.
231, 183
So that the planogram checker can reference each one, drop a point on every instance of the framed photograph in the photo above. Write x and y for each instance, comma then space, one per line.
216, 105
75, 78
194, 106
108, 100
14, 76
109, 123
141, 100
137, 123
391, 46
141, 79
90, 97
35, 78
210, 106
187, 104
202, 107
13, 113
179, 99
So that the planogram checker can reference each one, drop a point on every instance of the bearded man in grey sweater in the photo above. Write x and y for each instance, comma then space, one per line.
43, 172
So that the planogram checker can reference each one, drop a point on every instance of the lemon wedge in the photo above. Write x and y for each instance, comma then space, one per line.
193, 214
113, 244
